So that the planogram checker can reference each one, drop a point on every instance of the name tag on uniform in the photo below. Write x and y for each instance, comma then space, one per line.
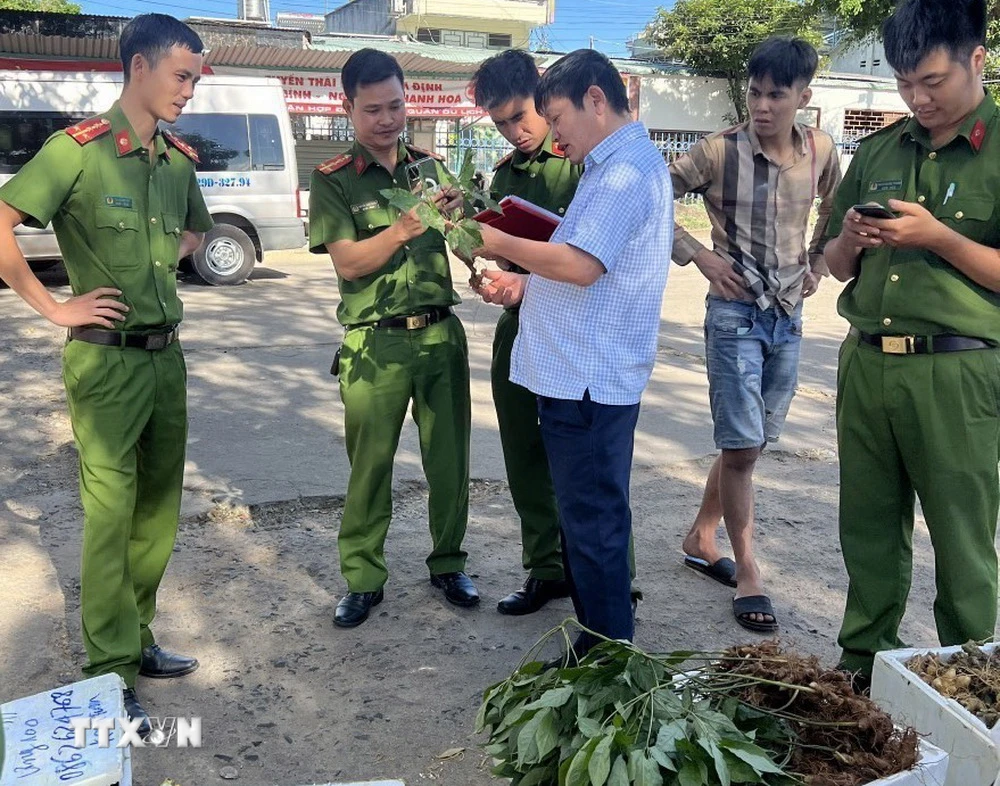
885, 185
117, 201
373, 205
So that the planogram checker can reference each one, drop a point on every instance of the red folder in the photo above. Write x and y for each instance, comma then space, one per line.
522, 219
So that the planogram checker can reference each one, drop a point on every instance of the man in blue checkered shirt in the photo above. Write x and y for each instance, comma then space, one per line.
590, 317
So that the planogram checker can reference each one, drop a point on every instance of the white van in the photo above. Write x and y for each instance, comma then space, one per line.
240, 128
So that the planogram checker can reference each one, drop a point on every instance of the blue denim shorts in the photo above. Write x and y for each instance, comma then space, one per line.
753, 363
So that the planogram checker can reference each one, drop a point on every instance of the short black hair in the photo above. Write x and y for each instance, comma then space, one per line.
786, 60
572, 75
153, 36
368, 67
918, 27
508, 75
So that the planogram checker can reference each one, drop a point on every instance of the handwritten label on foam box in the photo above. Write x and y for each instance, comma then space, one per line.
39, 738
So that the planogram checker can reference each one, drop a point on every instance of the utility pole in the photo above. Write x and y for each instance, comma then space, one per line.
591, 42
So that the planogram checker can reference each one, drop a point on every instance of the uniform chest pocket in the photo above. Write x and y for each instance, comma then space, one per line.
972, 217
172, 224
372, 221
118, 232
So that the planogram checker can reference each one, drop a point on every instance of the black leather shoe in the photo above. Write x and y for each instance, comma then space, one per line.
135, 710
355, 607
533, 595
159, 663
458, 588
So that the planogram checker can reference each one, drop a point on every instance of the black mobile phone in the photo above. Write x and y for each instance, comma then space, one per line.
874, 211
424, 171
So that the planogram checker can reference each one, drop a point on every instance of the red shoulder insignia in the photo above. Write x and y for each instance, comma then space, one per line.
504, 161
977, 135
183, 146
423, 153
89, 130
333, 164
557, 150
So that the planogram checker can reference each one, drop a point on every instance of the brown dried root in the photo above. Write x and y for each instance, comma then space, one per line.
844, 738
970, 677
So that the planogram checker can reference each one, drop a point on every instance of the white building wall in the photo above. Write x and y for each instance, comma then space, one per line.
675, 102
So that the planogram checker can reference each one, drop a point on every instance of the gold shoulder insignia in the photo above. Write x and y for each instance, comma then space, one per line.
505, 160
183, 146
421, 152
89, 130
333, 164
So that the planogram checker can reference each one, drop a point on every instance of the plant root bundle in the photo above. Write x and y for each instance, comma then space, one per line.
844, 739
970, 677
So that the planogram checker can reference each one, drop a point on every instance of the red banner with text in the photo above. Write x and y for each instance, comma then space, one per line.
322, 93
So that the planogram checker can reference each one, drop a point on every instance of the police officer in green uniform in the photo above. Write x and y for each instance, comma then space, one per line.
919, 374
402, 343
536, 171
124, 202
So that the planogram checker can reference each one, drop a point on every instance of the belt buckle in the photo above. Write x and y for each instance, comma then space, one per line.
898, 345
157, 341
416, 322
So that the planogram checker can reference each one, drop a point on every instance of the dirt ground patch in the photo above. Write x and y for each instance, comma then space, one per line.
285, 697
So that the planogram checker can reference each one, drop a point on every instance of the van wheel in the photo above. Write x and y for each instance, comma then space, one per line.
226, 257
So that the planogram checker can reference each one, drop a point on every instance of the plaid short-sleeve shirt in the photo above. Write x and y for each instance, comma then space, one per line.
602, 338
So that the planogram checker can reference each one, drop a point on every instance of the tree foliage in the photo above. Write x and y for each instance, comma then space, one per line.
861, 19
49, 6
716, 37
858, 20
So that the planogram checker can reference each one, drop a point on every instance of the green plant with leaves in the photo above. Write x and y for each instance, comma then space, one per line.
716, 37
49, 6
624, 717
858, 21
461, 232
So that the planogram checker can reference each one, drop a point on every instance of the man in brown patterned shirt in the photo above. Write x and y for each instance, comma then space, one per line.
759, 181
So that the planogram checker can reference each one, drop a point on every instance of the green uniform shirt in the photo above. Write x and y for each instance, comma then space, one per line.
546, 178
117, 216
913, 291
345, 204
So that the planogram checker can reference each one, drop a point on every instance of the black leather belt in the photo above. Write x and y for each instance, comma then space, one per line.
412, 322
119, 338
920, 345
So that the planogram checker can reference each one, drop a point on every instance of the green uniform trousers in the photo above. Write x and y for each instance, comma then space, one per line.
524, 457
381, 371
128, 408
924, 425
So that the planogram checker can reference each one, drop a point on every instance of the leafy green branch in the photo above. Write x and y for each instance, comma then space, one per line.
459, 231
624, 717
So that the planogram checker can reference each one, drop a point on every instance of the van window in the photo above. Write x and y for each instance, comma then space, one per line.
221, 140
265, 143
22, 135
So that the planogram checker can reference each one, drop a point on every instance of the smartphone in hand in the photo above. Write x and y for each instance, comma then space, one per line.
424, 172
874, 211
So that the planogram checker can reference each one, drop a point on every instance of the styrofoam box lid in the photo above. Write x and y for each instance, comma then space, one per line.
38, 737
900, 658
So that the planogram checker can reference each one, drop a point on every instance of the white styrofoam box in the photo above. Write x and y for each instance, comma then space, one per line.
973, 749
38, 737
365, 783
931, 770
